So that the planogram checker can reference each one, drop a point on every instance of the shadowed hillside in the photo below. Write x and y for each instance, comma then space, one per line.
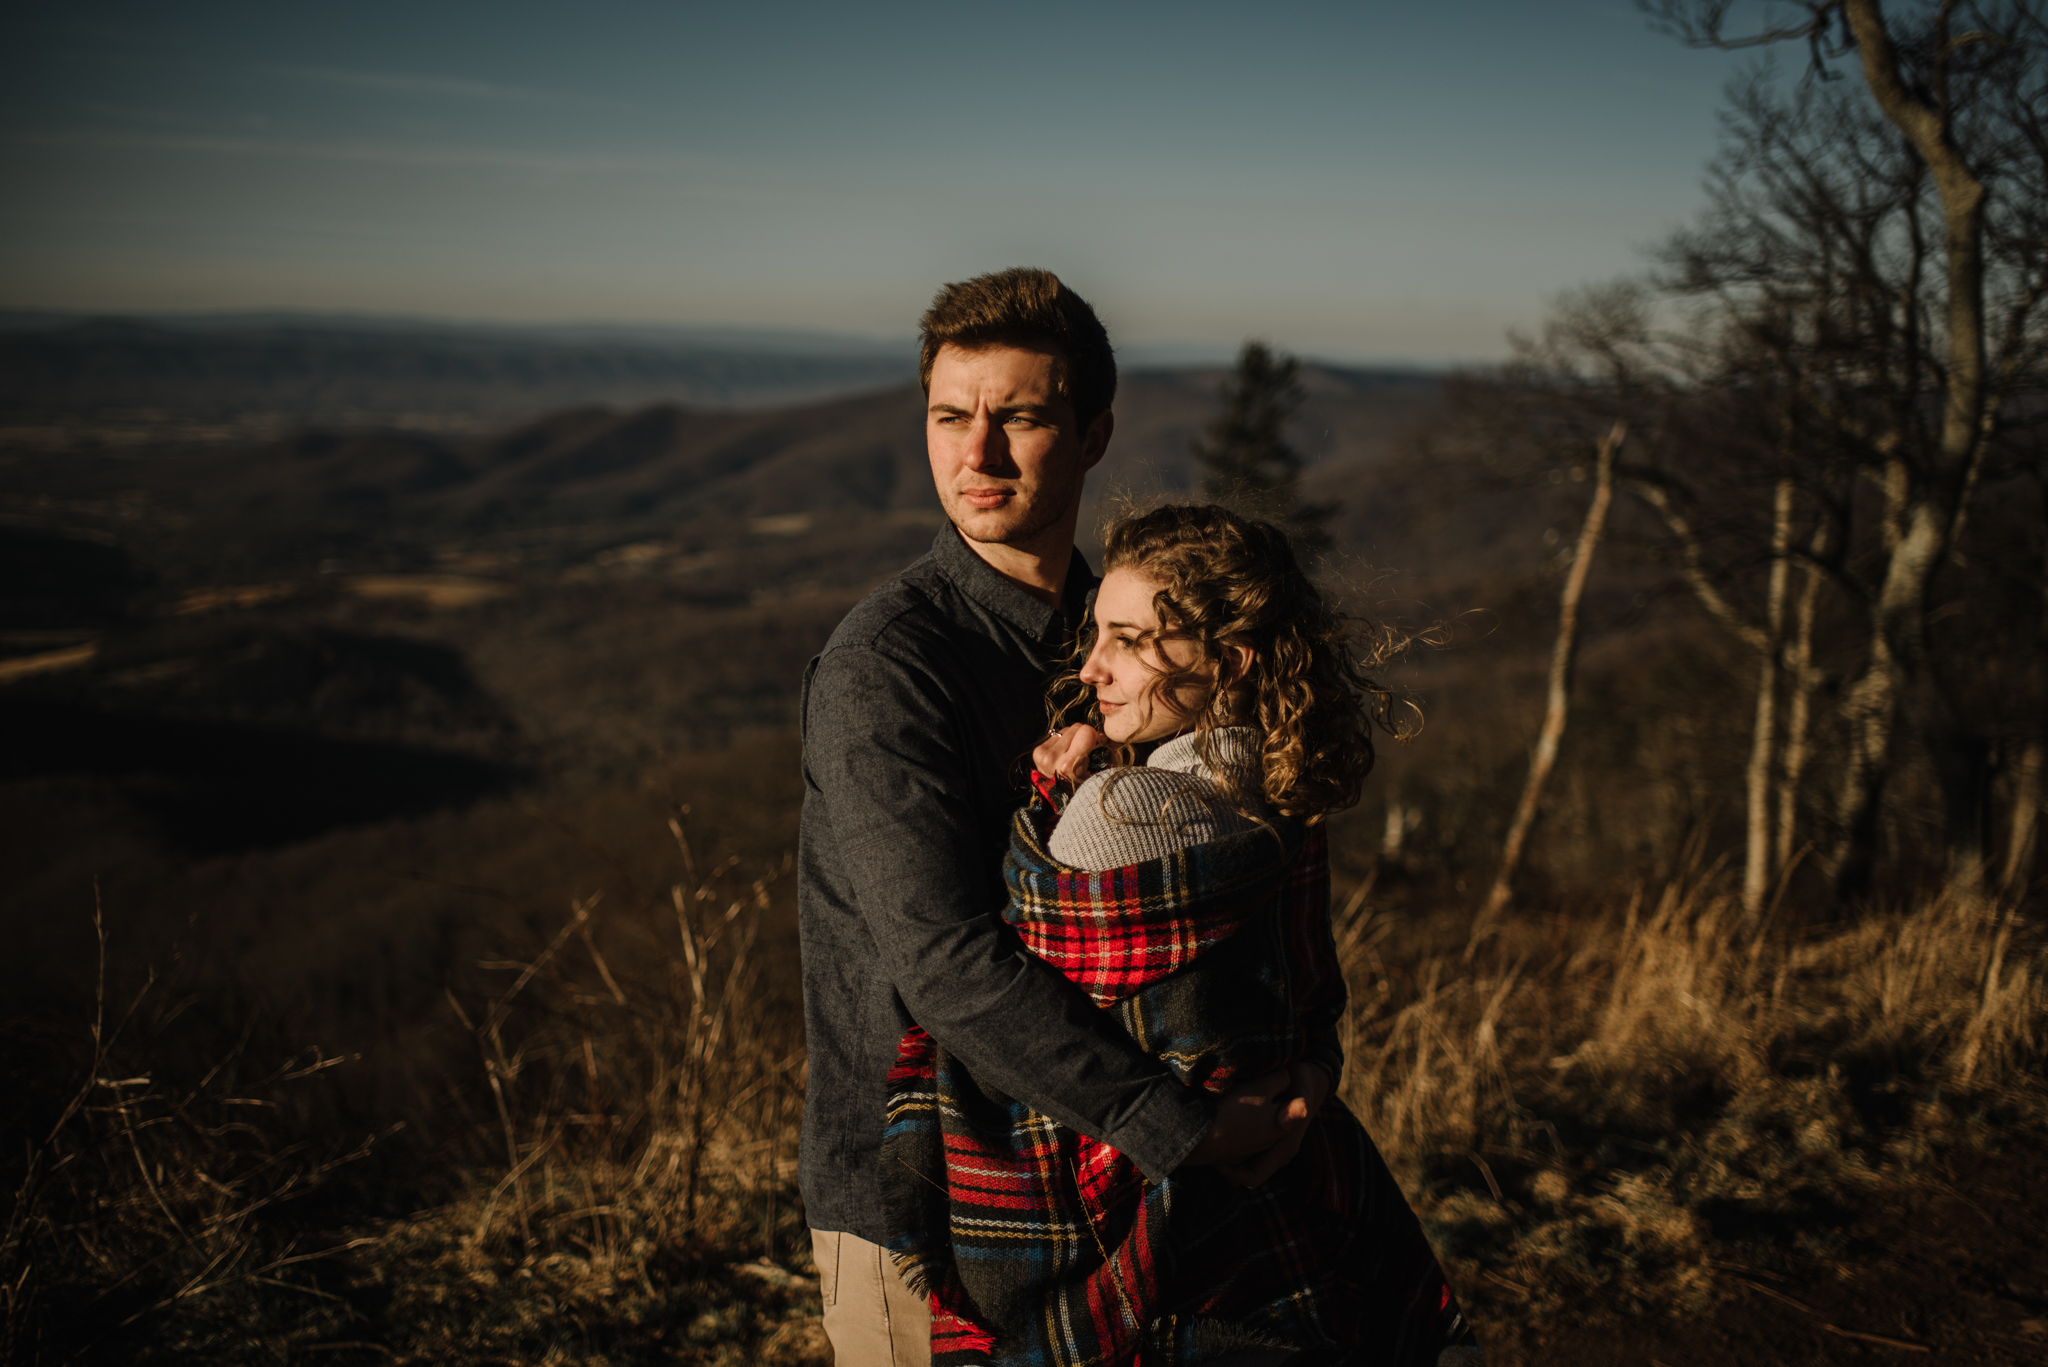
64, 380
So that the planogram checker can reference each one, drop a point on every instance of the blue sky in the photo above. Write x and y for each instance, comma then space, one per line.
1360, 180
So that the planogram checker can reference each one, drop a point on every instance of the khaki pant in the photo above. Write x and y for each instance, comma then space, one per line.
872, 1318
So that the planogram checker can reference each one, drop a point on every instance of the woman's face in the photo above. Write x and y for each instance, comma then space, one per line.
1129, 661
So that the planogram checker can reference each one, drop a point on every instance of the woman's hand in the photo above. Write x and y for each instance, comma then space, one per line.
1308, 1089
1249, 1121
1064, 753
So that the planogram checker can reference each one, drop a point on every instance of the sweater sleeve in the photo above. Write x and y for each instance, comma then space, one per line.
882, 751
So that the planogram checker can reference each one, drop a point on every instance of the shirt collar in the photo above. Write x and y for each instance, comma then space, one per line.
982, 582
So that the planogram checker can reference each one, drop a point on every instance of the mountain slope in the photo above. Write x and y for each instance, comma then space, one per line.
313, 371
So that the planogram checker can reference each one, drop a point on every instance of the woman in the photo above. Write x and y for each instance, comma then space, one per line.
1189, 895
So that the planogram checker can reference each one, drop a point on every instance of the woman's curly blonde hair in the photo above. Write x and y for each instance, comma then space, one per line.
1225, 581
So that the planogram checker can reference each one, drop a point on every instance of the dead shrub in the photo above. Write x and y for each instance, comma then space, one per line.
150, 1212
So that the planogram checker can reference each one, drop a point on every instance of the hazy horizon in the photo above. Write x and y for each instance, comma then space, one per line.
734, 337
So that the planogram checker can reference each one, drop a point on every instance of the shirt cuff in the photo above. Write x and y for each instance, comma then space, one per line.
1165, 1129
1327, 1050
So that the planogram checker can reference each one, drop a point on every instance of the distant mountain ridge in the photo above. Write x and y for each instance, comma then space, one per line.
765, 340
578, 482
669, 464
310, 370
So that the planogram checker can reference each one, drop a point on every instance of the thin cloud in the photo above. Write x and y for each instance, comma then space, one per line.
376, 153
444, 87
160, 118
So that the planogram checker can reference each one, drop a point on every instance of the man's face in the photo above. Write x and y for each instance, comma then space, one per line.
1006, 455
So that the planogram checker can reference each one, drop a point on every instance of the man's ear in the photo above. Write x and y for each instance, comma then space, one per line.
1095, 441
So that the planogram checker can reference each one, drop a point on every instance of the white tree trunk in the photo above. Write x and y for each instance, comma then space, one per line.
1925, 500
1800, 684
2026, 815
1757, 863
1562, 656
2026, 796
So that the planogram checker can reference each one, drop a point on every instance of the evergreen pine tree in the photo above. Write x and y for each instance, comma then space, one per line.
1247, 461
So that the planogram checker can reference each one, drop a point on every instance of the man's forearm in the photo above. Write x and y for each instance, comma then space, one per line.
1023, 1028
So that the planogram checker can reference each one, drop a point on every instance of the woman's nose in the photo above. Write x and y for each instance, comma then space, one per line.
1092, 672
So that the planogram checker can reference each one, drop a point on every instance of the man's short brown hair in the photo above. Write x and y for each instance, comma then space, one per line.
1023, 307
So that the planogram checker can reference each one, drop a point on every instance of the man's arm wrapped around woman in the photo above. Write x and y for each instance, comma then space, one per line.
1041, 1246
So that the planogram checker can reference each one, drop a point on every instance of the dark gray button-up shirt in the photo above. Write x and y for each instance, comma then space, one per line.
919, 719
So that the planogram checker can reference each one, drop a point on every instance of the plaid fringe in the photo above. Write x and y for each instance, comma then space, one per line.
1041, 1247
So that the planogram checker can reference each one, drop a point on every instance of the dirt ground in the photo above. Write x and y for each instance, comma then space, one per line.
1953, 1268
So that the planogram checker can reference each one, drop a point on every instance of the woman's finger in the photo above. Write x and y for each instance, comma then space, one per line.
1086, 738
1075, 744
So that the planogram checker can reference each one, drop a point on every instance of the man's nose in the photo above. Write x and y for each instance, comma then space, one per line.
988, 445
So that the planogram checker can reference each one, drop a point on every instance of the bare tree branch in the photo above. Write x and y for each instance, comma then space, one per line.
1692, 564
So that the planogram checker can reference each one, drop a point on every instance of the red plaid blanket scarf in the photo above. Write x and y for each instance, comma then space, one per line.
1040, 1246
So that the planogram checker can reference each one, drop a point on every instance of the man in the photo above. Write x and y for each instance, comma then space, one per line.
917, 717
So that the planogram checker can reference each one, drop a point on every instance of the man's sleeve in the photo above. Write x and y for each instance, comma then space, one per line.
885, 756
1325, 1042
1324, 997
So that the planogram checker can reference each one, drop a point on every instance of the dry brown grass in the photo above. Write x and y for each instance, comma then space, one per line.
629, 1194
1625, 1100
154, 1212
645, 1106
1612, 1110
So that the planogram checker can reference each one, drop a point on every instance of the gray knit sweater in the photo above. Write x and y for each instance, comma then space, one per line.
1125, 816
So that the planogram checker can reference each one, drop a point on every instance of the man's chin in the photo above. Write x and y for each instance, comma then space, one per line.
1002, 526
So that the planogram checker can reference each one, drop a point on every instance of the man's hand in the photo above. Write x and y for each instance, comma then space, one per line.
1249, 1122
1308, 1089
1064, 754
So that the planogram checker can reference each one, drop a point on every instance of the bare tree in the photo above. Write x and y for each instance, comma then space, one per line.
1557, 704
1880, 249
1704, 447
